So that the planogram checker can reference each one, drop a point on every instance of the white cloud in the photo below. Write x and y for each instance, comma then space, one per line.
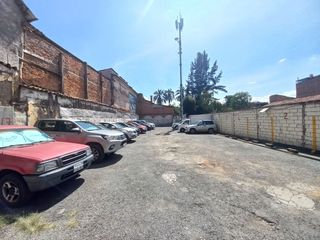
291, 93
282, 60
145, 10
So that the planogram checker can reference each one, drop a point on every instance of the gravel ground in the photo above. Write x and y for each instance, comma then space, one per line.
179, 186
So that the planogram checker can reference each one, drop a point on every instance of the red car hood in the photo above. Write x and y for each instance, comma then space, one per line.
44, 151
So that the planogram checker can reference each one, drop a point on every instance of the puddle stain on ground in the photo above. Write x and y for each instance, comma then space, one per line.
291, 197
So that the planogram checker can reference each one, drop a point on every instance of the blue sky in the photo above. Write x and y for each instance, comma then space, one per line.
261, 46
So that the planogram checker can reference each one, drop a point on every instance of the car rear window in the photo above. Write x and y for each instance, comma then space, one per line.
208, 122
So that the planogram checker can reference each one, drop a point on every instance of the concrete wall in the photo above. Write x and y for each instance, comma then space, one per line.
159, 120
6, 115
36, 104
295, 124
11, 21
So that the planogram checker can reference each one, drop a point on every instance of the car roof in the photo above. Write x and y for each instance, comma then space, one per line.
8, 127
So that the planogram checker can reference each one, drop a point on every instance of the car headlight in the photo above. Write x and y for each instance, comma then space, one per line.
47, 166
89, 152
109, 138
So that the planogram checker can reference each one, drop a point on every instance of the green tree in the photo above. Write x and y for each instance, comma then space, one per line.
204, 79
237, 101
189, 105
158, 96
168, 96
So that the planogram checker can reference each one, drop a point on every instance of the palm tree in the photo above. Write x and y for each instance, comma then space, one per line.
158, 96
168, 95
177, 94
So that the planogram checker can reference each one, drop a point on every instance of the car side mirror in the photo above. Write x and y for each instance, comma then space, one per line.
76, 129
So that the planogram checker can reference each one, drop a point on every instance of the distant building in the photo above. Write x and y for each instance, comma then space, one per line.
307, 87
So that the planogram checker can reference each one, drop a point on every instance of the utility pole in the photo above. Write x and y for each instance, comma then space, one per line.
179, 26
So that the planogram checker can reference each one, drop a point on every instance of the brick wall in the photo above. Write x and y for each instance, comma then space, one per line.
46, 65
295, 124
308, 86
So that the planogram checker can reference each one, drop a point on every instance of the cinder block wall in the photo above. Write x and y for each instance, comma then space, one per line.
296, 124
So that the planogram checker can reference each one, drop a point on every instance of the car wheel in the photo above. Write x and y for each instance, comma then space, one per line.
192, 130
97, 152
14, 190
182, 130
211, 131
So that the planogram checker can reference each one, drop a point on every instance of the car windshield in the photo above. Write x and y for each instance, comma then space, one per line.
88, 126
19, 137
122, 124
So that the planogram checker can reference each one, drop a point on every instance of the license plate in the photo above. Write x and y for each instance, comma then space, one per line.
77, 167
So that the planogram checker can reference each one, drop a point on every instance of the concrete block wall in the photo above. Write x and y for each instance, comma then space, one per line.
312, 128
295, 124
245, 123
225, 122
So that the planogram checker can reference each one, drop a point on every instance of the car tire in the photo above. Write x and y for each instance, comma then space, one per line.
182, 130
192, 130
97, 152
127, 137
14, 191
211, 130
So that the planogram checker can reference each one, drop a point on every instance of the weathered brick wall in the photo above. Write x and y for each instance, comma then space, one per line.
47, 65
145, 107
94, 86
295, 124
308, 86
74, 71
40, 66
121, 94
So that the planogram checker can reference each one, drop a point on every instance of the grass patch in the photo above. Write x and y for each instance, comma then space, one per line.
6, 220
33, 223
72, 222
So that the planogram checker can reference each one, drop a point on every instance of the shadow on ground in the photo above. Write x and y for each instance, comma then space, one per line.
44, 200
107, 161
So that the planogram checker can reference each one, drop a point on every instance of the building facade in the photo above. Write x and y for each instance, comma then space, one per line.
39, 78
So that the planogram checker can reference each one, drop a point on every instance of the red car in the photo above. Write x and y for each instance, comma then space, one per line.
31, 161
142, 128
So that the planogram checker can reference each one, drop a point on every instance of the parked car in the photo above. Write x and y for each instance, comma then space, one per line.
150, 126
101, 141
32, 161
142, 128
130, 133
202, 126
183, 125
176, 125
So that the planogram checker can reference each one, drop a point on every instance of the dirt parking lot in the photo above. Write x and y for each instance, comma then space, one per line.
179, 186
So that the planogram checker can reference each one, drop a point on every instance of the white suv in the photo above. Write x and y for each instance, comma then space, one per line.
101, 141
202, 126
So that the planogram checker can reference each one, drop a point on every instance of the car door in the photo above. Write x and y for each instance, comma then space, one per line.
68, 132
50, 127
201, 127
